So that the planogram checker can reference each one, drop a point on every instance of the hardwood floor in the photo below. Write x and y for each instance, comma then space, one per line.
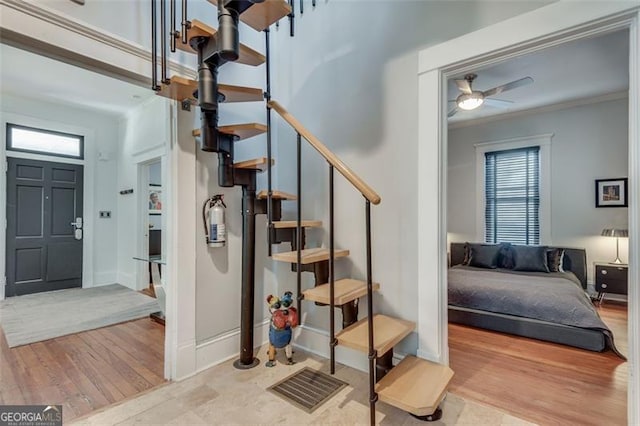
545, 383
84, 371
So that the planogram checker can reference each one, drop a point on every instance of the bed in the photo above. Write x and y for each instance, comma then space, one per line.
551, 306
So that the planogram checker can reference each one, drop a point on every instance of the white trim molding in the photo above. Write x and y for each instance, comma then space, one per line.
544, 142
34, 26
554, 24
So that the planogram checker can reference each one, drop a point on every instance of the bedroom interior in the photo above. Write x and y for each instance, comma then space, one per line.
580, 126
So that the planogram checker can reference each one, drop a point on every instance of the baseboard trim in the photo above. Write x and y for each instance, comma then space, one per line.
105, 278
225, 346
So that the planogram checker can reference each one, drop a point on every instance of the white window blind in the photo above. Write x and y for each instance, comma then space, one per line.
512, 196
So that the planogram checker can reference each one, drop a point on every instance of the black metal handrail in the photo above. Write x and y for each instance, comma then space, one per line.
299, 224
154, 48
267, 96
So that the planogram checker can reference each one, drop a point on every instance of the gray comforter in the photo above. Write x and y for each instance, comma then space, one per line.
553, 297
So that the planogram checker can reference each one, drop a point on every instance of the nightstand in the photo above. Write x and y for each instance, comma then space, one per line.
611, 278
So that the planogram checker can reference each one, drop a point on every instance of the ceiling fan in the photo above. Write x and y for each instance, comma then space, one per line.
471, 99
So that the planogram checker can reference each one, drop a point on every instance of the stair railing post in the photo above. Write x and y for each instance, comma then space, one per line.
154, 48
267, 95
299, 225
185, 23
173, 33
332, 320
163, 41
373, 397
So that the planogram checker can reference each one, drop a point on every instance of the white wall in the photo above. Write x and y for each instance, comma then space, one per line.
144, 135
349, 76
590, 142
98, 174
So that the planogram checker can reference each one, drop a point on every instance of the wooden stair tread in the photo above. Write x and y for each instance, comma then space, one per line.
387, 332
247, 55
278, 224
276, 195
182, 88
415, 385
261, 15
240, 93
259, 164
311, 255
242, 131
345, 291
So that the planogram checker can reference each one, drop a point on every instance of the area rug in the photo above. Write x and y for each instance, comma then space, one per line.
42, 316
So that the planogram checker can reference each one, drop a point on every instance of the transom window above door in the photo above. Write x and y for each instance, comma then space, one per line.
47, 142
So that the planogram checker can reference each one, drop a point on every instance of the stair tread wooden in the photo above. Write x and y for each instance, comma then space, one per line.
311, 255
259, 164
242, 131
387, 332
279, 224
247, 55
182, 89
415, 385
345, 290
261, 15
276, 195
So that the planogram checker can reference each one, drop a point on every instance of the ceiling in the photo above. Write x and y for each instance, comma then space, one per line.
30, 75
577, 70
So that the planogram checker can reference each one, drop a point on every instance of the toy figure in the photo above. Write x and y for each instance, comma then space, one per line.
283, 320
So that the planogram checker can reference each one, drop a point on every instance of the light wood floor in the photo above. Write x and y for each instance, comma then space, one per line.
545, 383
84, 371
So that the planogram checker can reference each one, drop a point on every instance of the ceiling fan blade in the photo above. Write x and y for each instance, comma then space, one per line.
498, 103
509, 86
452, 112
463, 86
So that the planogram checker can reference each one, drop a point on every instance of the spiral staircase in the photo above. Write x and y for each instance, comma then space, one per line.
415, 385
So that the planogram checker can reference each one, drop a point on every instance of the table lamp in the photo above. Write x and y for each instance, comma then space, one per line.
617, 233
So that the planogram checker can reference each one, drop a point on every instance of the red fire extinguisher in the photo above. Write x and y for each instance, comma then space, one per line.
213, 220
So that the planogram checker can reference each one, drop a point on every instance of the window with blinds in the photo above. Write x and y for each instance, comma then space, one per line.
512, 196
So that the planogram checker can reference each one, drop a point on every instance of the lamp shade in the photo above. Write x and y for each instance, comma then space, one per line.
614, 232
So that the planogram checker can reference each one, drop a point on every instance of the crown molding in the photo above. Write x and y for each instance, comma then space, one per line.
573, 103
65, 22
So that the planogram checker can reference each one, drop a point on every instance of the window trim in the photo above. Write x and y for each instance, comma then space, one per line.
544, 142
9, 148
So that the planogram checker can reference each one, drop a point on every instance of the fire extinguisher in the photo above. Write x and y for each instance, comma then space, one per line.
213, 220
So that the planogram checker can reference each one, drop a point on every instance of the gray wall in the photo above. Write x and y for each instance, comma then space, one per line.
590, 142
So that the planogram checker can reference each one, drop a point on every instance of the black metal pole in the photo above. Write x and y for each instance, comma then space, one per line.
373, 397
313, 3
154, 48
269, 135
292, 17
173, 34
185, 23
299, 225
163, 41
332, 280
248, 279
301, 7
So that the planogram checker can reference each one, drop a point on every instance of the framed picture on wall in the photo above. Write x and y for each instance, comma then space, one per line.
611, 192
155, 199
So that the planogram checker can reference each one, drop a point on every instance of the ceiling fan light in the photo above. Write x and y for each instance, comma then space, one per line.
470, 101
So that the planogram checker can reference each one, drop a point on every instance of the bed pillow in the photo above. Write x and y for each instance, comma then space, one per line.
555, 259
530, 258
484, 255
